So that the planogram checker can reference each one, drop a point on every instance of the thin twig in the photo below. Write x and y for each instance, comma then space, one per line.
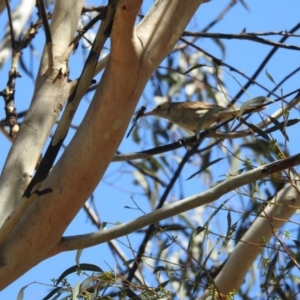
88, 240
241, 36
263, 64
160, 204
219, 63
43, 15
12, 34
9, 92
112, 244
220, 16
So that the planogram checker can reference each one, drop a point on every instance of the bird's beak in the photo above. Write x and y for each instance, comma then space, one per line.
149, 113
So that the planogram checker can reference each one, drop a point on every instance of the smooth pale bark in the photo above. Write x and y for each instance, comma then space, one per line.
47, 102
135, 54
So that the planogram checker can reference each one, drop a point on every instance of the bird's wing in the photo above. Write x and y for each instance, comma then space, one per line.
198, 105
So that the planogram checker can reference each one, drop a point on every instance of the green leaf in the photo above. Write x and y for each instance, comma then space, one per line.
270, 77
238, 172
87, 282
163, 285
73, 269
293, 262
166, 246
198, 275
76, 291
257, 130
297, 243
21, 292
102, 226
230, 230
94, 296
253, 101
128, 262
221, 46
282, 129
195, 232
205, 167
77, 258
281, 125
271, 268
159, 269
245, 5
135, 136
195, 67
215, 212
228, 220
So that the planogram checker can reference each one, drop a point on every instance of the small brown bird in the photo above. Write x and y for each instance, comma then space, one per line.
188, 114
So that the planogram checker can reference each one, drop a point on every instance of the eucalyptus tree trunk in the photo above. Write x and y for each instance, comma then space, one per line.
34, 219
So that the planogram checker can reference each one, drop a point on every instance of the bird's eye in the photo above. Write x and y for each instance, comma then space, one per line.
158, 106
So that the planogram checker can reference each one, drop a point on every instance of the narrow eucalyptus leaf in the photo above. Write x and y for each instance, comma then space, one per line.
77, 258
21, 293
194, 233
76, 291
159, 269
270, 76
73, 269
195, 67
53, 292
251, 102
257, 130
271, 269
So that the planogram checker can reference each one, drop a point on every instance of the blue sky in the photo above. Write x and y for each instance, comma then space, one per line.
111, 192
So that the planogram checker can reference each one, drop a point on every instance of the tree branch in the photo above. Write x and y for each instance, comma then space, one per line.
49, 44
241, 36
48, 100
208, 133
98, 137
170, 210
263, 63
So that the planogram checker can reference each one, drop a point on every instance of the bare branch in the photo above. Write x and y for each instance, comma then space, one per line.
241, 36
49, 44
220, 16
11, 28
212, 194
220, 63
263, 63
112, 244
